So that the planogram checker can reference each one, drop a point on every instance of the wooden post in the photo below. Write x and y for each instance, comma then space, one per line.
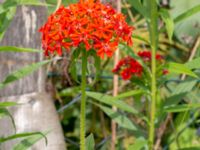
37, 112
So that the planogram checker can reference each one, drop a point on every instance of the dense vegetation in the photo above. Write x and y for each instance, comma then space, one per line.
156, 101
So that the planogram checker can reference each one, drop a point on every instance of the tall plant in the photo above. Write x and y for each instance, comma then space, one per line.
87, 27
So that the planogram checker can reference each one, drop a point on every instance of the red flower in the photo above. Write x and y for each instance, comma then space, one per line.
128, 67
87, 22
146, 56
165, 72
126, 74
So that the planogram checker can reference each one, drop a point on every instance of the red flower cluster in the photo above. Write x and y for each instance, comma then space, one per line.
146, 56
165, 71
128, 67
97, 26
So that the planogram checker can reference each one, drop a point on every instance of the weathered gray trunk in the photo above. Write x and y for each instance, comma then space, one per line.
37, 112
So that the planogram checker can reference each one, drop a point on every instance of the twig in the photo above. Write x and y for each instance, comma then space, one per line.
59, 2
115, 88
102, 119
128, 10
192, 54
161, 131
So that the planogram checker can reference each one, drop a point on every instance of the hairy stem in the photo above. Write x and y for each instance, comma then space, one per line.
115, 89
83, 100
153, 27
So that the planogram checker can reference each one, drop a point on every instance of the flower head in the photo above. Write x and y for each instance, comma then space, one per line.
88, 22
128, 67
165, 72
146, 56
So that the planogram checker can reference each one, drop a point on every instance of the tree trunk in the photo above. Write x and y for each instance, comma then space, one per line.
37, 113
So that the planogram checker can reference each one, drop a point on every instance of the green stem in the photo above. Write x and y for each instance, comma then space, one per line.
83, 100
153, 28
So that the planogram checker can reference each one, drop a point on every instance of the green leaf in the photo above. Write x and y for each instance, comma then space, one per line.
120, 119
76, 53
129, 94
181, 108
14, 3
32, 2
73, 71
6, 18
28, 142
73, 65
174, 99
188, 13
7, 104
5, 113
184, 87
17, 49
186, 23
180, 69
97, 65
7, 5
139, 7
180, 91
90, 144
138, 144
193, 64
109, 100
22, 73
22, 135
141, 39
166, 17
190, 148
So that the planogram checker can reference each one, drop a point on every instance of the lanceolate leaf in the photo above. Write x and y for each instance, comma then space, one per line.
7, 5
90, 144
120, 119
5, 113
31, 140
17, 49
32, 2
174, 99
186, 17
140, 38
22, 135
129, 94
97, 65
139, 7
181, 108
109, 100
73, 66
180, 69
6, 18
7, 104
138, 144
193, 64
184, 87
179, 92
190, 148
22, 73
187, 14
14, 3
8, 9
169, 23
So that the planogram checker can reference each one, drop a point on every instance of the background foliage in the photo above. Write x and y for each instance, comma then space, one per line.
177, 116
